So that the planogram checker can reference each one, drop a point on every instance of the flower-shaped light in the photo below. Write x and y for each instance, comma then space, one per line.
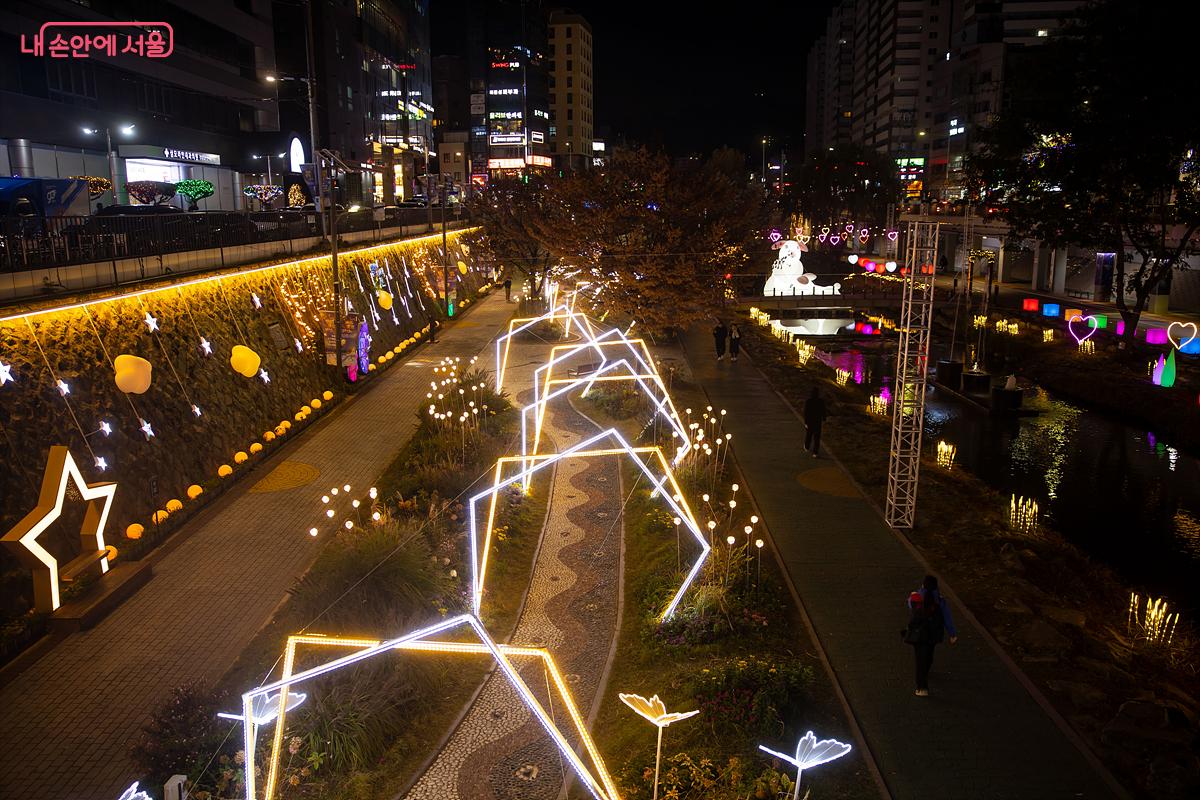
811, 753
655, 711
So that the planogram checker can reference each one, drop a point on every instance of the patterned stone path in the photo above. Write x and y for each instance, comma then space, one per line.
66, 722
499, 751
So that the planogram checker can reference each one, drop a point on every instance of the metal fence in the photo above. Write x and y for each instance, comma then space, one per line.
38, 242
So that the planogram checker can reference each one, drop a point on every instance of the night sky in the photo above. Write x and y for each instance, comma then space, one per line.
682, 77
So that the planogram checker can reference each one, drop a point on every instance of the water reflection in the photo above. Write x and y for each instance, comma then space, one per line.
1125, 497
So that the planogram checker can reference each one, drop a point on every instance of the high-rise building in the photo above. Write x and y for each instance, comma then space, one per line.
571, 121
189, 114
374, 90
923, 75
509, 103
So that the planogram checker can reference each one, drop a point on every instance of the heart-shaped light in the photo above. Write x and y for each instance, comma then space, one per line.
825, 230
863, 235
824, 235
1179, 341
1071, 328
805, 237
893, 234
834, 239
849, 227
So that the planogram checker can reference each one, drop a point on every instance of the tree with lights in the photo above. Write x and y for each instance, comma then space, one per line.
506, 212
195, 191
1102, 157
150, 192
655, 237
847, 182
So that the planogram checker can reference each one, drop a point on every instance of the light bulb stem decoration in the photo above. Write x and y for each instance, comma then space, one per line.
810, 753
655, 712
657, 761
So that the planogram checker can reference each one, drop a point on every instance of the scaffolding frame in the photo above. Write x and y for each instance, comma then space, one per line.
912, 369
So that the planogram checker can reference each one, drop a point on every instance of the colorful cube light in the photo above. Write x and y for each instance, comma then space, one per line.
1051, 309
1072, 313
1029, 304
1156, 335
1098, 321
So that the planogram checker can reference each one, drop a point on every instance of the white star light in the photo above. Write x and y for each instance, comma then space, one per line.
299, 346
63, 389
206, 346
101, 463
262, 373
146, 429
5, 373
195, 409
257, 302
151, 322
105, 428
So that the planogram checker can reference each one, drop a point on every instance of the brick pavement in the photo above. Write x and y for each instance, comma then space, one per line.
981, 734
66, 722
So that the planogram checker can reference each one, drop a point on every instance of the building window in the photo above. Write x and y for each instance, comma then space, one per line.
568, 48
570, 115
570, 65
569, 31
570, 99
70, 77
570, 81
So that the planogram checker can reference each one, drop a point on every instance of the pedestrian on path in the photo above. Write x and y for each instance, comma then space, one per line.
720, 333
735, 341
929, 621
814, 417
507, 290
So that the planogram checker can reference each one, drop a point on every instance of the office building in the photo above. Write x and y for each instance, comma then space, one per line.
509, 102
570, 84
374, 88
187, 114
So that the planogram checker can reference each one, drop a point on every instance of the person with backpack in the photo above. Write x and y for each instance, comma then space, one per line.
928, 623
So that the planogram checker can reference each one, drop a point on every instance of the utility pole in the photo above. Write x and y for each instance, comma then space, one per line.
764, 161
310, 82
334, 164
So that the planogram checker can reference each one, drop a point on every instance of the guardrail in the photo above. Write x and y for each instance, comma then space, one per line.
31, 243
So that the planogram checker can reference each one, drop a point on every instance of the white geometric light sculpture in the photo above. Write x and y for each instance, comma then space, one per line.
600, 784
810, 753
656, 712
605, 443
515, 326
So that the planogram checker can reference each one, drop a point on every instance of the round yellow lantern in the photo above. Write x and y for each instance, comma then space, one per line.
160, 516
462, 267
224, 471
132, 373
244, 361
194, 491
269, 436
135, 531
174, 505
385, 300
371, 368
285, 425
315, 402
305, 410
255, 448
328, 395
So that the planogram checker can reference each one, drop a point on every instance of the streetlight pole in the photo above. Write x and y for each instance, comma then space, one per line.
110, 154
310, 83
764, 161
445, 250
333, 255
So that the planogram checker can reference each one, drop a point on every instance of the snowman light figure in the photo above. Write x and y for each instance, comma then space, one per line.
788, 276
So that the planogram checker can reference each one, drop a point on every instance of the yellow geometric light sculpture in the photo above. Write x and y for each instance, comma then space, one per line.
22, 537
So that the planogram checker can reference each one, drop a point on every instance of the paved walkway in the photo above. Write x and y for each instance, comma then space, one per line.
499, 750
68, 720
980, 735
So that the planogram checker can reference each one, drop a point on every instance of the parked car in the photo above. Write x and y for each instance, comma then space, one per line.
389, 214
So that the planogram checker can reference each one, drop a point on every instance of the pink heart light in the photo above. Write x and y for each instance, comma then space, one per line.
1071, 328
849, 227
824, 235
893, 234
1179, 345
834, 239
863, 235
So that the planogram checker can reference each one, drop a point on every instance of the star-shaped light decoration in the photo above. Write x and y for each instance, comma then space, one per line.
195, 409
655, 711
105, 428
151, 322
262, 373
5, 373
22, 538
810, 753
101, 463
63, 388
206, 346
257, 302
146, 429
299, 346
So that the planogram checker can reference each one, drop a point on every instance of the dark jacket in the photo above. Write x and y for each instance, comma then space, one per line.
947, 619
814, 411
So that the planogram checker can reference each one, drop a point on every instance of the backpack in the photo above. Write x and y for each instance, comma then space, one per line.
925, 624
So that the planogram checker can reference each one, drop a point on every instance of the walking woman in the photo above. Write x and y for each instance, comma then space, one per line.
929, 620
735, 341
720, 333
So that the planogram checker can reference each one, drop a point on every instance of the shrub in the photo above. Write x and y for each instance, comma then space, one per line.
751, 696
182, 733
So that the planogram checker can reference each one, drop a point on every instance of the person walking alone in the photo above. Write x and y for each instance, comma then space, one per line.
507, 289
720, 333
928, 623
735, 341
814, 417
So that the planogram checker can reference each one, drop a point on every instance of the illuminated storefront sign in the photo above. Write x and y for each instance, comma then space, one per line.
507, 138
911, 172
540, 161
505, 115
506, 65
506, 163
537, 137
504, 91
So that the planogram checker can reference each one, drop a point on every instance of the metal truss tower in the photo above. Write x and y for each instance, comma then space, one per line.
912, 366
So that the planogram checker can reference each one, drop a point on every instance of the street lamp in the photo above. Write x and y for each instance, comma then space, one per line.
268, 157
764, 161
112, 157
